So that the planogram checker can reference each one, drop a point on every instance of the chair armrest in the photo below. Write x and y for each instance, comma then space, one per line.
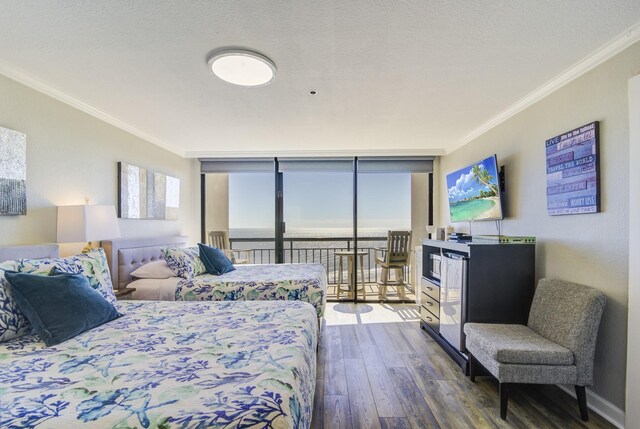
247, 251
378, 255
377, 250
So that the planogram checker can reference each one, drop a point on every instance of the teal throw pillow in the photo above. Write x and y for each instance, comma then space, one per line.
61, 305
215, 260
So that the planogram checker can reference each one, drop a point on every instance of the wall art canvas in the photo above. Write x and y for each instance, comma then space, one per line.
144, 194
13, 172
573, 185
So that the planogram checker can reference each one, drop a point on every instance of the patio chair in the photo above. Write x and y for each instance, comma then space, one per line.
397, 257
220, 239
556, 347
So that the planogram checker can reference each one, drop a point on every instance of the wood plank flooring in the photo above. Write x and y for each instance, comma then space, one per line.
378, 369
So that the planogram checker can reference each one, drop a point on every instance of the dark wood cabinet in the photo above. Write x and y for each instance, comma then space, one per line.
486, 283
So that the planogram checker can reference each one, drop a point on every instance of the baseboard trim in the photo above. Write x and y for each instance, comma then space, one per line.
597, 403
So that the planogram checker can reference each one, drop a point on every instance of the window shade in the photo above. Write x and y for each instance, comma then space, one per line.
392, 163
319, 164
236, 165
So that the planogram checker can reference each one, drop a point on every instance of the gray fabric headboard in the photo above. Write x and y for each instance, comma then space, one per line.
36, 251
127, 254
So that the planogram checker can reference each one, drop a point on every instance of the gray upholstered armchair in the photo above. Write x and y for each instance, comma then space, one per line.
556, 347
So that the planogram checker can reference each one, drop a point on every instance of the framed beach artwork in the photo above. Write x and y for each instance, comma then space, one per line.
573, 176
474, 192
13, 172
144, 194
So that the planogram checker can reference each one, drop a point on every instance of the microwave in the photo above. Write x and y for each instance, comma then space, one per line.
434, 266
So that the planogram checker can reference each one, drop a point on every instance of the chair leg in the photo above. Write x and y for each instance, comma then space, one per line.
385, 278
401, 284
364, 289
581, 394
472, 368
504, 398
339, 276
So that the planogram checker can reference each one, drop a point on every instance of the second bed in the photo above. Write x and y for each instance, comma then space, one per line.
293, 282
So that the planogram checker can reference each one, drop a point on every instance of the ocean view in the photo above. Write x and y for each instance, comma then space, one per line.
321, 247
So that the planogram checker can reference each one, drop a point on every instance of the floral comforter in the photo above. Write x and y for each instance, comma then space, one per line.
293, 282
169, 365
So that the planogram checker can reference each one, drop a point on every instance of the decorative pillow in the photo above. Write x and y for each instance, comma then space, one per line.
61, 305
93, 265
154, 270
184, 261
215, 260
13, 324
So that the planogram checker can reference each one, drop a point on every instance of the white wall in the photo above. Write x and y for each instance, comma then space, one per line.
72, 155
419, 207
217, 202
591, 249
633, 341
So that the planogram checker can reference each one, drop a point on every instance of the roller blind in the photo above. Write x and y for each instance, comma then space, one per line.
395, 163
318, 164
236, 165
365, 164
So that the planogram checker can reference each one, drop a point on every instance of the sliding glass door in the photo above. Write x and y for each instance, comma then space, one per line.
337, 212
252, 216
384, 205
318, 218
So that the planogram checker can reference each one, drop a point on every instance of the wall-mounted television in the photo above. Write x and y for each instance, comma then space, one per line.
474, 192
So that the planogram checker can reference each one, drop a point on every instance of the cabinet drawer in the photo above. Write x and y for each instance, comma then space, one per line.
431, 304
431, 289
430, 319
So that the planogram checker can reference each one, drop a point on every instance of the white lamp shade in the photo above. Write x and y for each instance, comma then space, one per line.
86, 223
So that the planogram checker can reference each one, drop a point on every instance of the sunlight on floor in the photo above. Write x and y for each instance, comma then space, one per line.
372, 290
337, 313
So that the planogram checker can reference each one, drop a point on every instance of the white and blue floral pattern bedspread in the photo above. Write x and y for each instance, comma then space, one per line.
293, 282
169, 365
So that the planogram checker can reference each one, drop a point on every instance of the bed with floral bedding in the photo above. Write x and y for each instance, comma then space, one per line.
169, 365
292, 282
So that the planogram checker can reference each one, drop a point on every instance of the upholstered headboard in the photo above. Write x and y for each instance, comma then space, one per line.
126, 255
36, 251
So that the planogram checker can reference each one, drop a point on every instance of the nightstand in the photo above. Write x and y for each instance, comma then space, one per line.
124, 294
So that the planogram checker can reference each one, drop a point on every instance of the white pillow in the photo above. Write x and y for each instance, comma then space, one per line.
154, 270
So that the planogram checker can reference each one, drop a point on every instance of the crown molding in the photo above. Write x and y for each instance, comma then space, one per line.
614, 47
33, 83
313, 153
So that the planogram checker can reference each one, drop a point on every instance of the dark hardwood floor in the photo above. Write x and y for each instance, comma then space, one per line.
392, 375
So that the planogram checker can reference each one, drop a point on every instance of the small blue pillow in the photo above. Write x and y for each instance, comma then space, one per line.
61, 305
214, 260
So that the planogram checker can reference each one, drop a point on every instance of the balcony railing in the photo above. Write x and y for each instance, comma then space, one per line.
318, 250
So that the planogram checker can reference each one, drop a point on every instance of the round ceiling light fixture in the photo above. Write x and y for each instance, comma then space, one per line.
242, 67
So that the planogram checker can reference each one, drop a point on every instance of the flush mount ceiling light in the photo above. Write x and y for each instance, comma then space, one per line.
242, 67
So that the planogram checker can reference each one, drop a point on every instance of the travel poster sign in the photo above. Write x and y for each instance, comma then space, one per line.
572, 172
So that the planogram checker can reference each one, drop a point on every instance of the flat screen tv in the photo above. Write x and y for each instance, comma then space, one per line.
474, 192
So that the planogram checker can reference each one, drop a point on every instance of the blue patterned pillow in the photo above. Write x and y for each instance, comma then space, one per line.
93, 265
214, 260
13, 324
60, 305
184, 261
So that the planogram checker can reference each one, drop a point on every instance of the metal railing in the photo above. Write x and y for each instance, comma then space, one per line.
310, 250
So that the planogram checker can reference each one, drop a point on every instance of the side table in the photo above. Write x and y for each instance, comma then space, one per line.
348, 288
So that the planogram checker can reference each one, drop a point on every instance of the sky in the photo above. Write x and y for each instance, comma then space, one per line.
321, 200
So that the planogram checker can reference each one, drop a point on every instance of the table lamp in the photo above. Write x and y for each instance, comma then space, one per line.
86, 223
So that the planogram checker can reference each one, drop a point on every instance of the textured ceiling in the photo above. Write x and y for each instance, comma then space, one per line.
391, 76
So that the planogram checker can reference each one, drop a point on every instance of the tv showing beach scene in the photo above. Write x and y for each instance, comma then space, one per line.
474, 192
